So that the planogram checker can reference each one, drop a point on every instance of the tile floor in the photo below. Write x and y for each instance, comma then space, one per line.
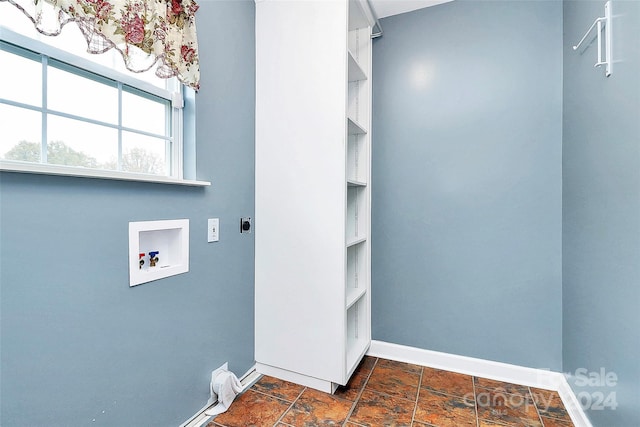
387, 393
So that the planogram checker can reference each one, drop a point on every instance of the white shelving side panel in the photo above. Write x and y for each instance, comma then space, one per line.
298, 101
357, 159
357, 213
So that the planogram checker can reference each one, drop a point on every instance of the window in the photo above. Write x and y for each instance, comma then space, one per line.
59, 108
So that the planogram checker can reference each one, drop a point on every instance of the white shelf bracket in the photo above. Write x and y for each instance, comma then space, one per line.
606, 20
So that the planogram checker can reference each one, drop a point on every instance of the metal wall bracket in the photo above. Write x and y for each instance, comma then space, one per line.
605, 21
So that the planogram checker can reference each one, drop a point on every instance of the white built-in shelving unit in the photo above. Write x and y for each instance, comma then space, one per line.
313, 193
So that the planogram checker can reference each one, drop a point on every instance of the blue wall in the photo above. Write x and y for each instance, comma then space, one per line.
601, 222
467, 113
77, 343
467, 208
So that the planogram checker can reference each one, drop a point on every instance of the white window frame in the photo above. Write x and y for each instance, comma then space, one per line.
175, 98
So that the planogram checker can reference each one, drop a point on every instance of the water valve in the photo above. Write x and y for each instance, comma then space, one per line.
153, 258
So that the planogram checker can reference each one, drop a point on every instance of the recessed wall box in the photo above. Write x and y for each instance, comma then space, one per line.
165, 245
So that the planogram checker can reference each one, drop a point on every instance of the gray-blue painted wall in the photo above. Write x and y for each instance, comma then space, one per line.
78, 344
466, 209
601, 211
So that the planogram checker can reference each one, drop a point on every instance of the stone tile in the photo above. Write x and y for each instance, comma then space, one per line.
395, 382
252, 409
447, 382
358, 379
399, 365
487, 423
444, 399
550, 404
512, 409
367, 363
353, 387
315, 408
502, 386
278, 388
554, 422
445, 411
376, 409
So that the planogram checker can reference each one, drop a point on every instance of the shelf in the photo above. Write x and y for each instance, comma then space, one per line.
354, 295
354, 128
354, 183
355, 71
355, 241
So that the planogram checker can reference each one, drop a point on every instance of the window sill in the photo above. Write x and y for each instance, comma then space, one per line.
37, 168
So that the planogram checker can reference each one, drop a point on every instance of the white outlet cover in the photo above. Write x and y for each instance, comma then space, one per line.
213, 230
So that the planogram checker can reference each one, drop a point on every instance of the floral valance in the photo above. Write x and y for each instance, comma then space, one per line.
146, 32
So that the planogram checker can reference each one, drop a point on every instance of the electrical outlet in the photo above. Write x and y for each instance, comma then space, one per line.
245, 225
213, 230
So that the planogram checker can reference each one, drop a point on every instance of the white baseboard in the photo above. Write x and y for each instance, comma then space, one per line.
572, 405
538, 378
200, 418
